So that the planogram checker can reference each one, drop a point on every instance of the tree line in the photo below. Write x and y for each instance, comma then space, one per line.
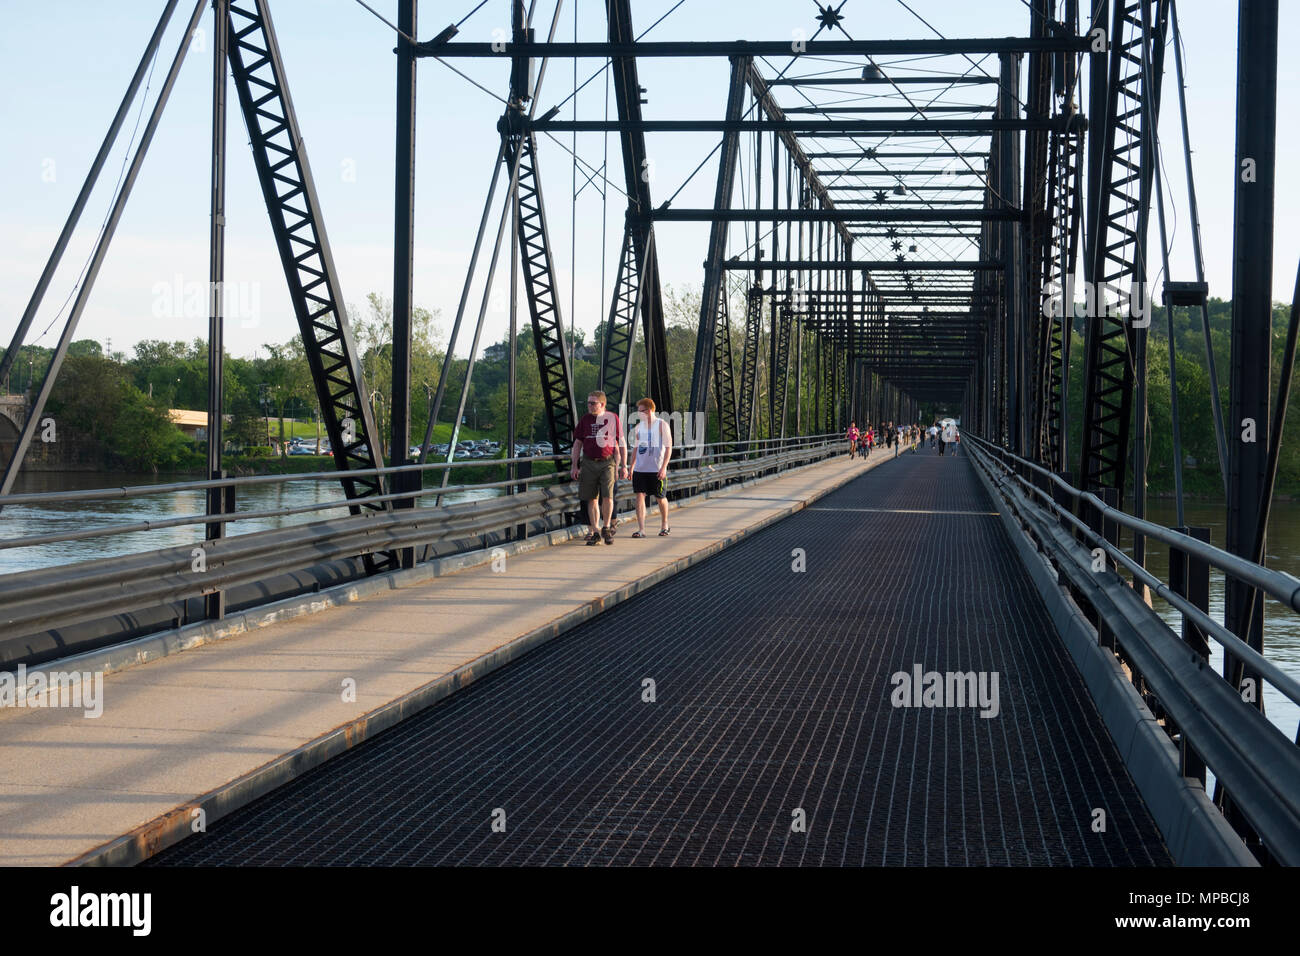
121, 403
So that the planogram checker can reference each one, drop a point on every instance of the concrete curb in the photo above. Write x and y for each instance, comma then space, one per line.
1195, 832
170, 828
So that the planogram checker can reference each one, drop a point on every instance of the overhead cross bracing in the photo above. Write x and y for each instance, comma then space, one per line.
839, 162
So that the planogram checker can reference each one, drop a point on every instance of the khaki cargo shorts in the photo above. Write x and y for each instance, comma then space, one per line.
596, 478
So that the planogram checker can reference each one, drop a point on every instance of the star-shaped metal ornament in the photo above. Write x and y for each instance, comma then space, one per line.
828, 16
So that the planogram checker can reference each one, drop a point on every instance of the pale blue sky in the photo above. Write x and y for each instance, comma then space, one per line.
65, 63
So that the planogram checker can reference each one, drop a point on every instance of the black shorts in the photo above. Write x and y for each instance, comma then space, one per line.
648, 483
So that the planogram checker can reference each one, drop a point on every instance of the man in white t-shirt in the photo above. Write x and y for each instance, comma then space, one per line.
652, 444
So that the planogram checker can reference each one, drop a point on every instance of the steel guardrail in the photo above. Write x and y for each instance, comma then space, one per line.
47, 598
1257, 765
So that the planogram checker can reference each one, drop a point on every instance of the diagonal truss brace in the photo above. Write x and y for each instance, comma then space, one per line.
540, 288
1117, 247
294, 209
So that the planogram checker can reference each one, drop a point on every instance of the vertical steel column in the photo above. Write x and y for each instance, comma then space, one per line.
215, 604
1036, 203
627, 98
1013, 252
713, 271
1252, 286
403, 261
512, 364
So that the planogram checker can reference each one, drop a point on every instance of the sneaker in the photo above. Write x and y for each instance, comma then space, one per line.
608, 535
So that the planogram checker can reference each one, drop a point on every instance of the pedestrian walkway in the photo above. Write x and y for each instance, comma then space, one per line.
762, 708
203, 729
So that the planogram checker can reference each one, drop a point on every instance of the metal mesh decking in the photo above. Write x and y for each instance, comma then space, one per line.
773, 695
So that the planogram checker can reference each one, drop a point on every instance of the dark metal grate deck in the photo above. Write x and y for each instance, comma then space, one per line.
773, 694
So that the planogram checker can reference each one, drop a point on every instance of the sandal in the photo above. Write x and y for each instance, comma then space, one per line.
608, 535
593, 538
664, 533
637, 534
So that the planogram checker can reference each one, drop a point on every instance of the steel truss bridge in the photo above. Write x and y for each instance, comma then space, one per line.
885, 241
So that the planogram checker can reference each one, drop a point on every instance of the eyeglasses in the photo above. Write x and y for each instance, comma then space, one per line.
595, 403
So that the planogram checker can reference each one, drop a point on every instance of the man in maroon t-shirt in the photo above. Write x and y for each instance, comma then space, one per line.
601, 447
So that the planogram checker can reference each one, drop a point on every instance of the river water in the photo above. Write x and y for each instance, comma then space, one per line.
1282, 627
17, 521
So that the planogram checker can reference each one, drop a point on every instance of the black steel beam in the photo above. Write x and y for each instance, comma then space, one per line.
403, 263
896, 173
906, 110
215, 603
620, 330
542, 291
627, 97
1117, 244
821, 128
874, 153
729, 48
749, 365
882, 80
773, 118
705, 340
1252, 284
834, 215
305, 255
859, 265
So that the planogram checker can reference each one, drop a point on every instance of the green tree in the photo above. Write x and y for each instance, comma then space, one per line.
93, 399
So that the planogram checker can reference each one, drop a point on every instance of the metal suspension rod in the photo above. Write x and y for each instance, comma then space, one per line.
1173, 369
1220, 438
42, 284
460, 309
478, 328
97, 259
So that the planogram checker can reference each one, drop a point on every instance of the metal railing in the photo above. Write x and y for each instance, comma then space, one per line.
45, 600
1256, 767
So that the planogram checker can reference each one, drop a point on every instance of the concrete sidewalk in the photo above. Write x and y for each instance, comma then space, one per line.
192, 736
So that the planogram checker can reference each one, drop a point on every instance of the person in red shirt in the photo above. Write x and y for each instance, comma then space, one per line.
853, 439
599, 459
